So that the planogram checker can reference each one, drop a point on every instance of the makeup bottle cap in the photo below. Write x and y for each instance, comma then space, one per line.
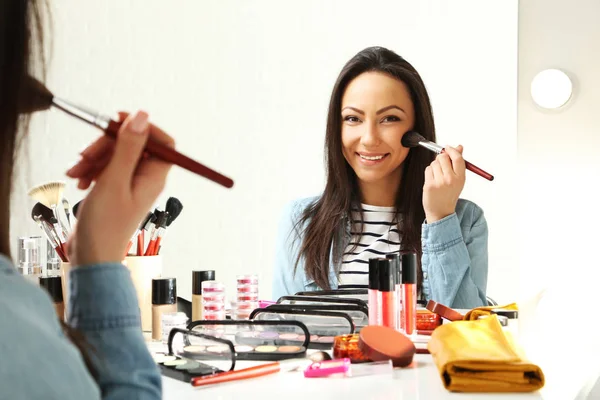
397, 267
53, 286
386, 275
510, 314
409, 268
381, 343
164, 291
200, 276
373, 274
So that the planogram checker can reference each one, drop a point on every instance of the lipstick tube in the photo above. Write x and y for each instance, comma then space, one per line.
398, 288
387, 290
409, 292
374, 297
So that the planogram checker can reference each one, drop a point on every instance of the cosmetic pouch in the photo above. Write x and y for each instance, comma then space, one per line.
477, 356
258, 340
322, 326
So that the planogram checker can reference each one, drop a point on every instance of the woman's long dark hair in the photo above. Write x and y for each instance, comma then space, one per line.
326, 218
21, 54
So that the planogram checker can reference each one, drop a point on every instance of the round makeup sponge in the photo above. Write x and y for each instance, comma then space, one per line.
381, 343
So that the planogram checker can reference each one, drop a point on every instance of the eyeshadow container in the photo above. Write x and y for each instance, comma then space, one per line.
322, 326
427, 320
243, 309
213, 300
444, 312
409, 292
374, 295
387, 290
53, 285
257, 340
187, 357
170, 321
164, 300
247, 297
197, 278
398, 286
381, 343
357, 312
247, 279
346, 346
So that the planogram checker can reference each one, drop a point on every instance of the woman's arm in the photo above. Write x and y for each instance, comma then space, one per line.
285, 281
455, 260
104, 307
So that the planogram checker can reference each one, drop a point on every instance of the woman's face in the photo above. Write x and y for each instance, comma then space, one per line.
376, 112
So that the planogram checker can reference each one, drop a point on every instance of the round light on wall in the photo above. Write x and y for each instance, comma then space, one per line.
551, 88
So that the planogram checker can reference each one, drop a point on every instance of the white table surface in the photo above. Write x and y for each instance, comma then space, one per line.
420, 381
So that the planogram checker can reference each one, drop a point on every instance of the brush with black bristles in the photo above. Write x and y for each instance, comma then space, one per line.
174, 208
50, 194
37, 97
47, 222
414, 139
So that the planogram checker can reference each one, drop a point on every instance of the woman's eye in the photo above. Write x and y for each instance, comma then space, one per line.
351, 118
391, 118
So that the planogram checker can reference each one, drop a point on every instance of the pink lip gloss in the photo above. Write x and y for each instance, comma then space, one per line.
409, 292
387, 289
374, 302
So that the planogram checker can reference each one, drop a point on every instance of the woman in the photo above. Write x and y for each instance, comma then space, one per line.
381, 197
100, 352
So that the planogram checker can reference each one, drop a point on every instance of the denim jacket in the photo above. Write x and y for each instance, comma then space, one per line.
454, 261
39, 362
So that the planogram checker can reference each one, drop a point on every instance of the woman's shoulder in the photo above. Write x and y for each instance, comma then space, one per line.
294, 209
469, 213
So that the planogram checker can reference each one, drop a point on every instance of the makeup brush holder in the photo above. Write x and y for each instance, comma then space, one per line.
65, 268
143, 269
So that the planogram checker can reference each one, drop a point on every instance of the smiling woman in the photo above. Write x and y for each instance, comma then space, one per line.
382, 198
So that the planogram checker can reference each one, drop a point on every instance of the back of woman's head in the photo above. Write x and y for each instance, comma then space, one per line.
21, 44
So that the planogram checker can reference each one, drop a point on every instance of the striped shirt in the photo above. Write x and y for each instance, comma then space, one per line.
379, 236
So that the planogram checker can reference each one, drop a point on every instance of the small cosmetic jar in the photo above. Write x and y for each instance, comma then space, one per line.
170, 321
346, 346
427, 320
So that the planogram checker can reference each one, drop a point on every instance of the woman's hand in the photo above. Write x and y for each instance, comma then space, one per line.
127, 183
444, 180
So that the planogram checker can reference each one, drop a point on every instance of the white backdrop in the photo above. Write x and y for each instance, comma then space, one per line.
243, 86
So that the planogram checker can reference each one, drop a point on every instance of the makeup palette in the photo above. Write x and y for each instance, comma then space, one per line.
322, 326
253, 340
194, 354
355, 309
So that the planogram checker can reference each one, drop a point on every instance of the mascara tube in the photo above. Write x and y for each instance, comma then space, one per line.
409, 292
387, 290
374, 298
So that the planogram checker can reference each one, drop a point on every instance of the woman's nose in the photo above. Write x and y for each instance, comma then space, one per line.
370, 137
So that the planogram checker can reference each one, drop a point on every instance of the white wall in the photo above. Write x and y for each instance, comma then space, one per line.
559, 171
244, 87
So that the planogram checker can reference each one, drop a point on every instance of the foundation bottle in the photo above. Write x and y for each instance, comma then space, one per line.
197, 278
53, 285
164, 300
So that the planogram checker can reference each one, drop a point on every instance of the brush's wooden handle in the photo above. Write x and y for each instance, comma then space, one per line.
246, 373
478, 171
167, 154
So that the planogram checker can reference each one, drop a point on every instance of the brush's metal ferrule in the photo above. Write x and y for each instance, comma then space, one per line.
84, 114
432, 146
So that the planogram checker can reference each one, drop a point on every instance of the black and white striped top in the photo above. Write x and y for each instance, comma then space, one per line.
379, 236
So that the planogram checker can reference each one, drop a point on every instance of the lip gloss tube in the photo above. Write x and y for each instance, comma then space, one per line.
409, 292
374, 298
398, 292
387, 289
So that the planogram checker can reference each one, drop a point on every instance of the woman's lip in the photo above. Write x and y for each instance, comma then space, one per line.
368, 162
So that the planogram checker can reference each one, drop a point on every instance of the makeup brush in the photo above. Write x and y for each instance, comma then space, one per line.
160, 225
76, 208
38, 98
50, 195
174, 208
44, 218
67, 208
414, 139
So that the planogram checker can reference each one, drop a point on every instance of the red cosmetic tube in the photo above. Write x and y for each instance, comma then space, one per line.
374, 297
409, 292
387, 288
